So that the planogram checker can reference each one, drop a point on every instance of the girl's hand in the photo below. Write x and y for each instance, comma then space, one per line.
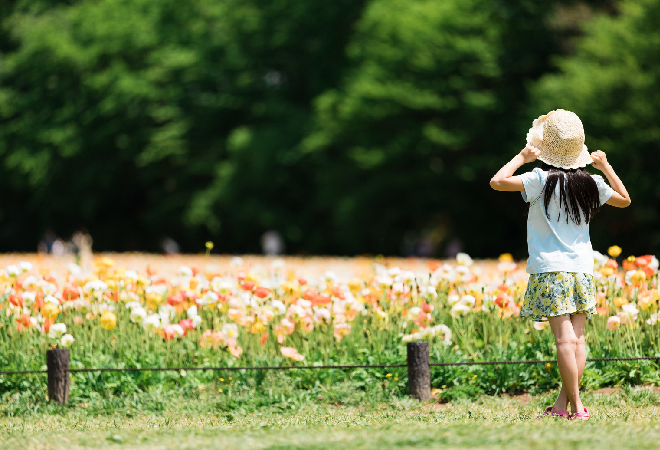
600, 160
530, 153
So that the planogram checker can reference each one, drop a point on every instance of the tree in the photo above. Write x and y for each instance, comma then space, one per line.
612, 84
123, 116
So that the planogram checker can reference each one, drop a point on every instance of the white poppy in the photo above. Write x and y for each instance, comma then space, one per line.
56, 330
12, 271
29, 298
209, 298
463, 259
131, 274
151, 323
185, 271
95, 286
236, 261
74, 269
138, 314
322, 315
278, 307
67, 340
230, 331
30, 281
51, 299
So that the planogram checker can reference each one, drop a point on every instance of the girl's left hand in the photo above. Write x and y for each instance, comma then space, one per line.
530, 153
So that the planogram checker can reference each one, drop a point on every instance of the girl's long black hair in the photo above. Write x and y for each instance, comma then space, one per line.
577, 191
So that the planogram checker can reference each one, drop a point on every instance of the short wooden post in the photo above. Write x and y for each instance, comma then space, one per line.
419, 371
57, 362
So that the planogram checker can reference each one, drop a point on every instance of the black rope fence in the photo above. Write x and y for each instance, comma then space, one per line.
345, 366
418, 365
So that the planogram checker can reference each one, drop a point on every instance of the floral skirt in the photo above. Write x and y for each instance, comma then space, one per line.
553, 294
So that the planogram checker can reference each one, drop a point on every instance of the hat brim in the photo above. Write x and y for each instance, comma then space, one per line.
581, 160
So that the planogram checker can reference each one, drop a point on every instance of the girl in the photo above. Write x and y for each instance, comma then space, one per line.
563, 198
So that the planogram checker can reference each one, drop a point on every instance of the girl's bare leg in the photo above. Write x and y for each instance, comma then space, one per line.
567, 347
578, 321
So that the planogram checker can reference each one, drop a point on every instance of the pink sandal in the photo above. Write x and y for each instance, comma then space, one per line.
580, 415
549, 412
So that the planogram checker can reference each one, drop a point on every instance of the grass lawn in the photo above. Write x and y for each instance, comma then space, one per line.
624, 419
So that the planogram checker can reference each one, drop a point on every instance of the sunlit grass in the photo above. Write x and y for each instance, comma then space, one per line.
627, 419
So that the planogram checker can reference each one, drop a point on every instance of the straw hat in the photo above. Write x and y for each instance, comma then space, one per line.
560, 137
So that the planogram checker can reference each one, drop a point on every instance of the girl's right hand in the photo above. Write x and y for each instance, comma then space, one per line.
530, 153
600, 160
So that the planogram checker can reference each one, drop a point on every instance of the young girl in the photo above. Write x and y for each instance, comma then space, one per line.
563, 198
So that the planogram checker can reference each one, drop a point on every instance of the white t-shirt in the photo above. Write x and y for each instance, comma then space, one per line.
554, 245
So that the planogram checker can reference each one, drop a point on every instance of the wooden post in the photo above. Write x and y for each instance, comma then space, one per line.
419, 371
57, 362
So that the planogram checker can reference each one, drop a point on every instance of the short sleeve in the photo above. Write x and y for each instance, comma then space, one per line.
533, 183
604, 190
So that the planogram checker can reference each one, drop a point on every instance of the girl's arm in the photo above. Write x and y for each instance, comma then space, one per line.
620, 197
504, 179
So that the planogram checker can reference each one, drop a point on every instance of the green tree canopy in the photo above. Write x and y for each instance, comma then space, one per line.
613, 83
122, 115
349, 126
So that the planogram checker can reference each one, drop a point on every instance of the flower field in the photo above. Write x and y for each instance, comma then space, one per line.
191, 311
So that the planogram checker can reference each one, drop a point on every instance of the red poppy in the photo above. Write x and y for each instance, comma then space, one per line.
16, 300
310, 294
643, 260
502, 301
47, 324
70, 293
629, 265
175, 299
337, 292
261, 292
248, 286
24, 320
612, 264
38, 301
322, 300
186, 324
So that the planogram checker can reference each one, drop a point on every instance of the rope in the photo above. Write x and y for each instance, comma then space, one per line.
358, 366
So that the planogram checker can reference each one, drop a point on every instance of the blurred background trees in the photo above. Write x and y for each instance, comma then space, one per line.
348, 126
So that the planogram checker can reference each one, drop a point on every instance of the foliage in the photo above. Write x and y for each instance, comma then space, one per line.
236, 321
222, 119
128, 116
611, 83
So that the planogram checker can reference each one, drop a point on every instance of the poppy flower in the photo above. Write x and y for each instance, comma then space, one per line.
262, 292
291, 353
70, 293
16, 300
108, 320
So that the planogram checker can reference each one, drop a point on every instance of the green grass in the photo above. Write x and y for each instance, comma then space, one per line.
169, 419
